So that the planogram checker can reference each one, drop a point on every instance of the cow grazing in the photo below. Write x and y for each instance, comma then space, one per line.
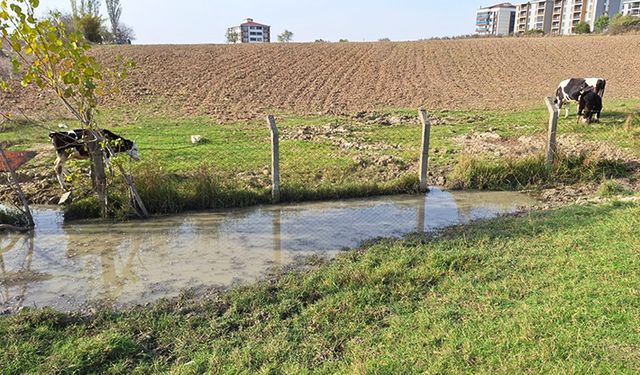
570, 90
590, 104
73, 144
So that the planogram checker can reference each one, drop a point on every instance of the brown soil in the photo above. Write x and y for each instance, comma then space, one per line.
37, 179
242, 81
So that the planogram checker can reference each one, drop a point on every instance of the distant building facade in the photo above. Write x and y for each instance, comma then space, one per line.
561, 16
631, 8
534, 15
253, 32
496, 20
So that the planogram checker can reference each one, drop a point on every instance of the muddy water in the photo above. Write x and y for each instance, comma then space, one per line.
69, 266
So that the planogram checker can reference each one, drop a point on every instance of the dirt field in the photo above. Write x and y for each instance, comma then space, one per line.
242, 81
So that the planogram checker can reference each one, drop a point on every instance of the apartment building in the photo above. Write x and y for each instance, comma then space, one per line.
631, 8
534, 15
253, 32
496, 20
571, 12
561, 16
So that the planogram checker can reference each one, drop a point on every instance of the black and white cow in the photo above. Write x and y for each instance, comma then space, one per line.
570, 90
590, 103
73, 144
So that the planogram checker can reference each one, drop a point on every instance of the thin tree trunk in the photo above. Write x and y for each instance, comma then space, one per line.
18, 188
98, 174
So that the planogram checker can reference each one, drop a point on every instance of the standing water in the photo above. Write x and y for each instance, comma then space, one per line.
66, 266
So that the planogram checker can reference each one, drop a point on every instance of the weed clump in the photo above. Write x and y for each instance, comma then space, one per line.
611, 188
513, 174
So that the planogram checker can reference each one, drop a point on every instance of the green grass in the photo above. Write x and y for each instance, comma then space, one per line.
551, 292
237, 154
612, 188
532, 171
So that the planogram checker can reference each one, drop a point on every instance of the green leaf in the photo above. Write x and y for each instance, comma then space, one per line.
15, 65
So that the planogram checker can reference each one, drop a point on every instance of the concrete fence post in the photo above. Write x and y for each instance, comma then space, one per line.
552, 145
424, 155
275, 159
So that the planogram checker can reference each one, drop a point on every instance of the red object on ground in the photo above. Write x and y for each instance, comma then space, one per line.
16, 159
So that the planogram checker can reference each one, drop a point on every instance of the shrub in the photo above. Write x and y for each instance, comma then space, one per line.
620, 24
91, 27
582, 28
602, 24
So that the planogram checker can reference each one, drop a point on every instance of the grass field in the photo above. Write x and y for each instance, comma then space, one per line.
551, 292
321, 156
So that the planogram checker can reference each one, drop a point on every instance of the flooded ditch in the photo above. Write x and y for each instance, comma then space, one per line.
70, 266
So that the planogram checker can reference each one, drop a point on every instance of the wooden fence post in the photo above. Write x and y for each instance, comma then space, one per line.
552, 146
275, 159
424, 156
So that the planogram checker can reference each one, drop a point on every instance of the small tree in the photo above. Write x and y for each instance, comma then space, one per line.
45, 55
285, 37
91, 27
582, 28
320, 41
232, 35
343, 41
384, 40
602, 24
87, 19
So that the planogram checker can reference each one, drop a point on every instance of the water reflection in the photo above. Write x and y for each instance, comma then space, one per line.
65, 266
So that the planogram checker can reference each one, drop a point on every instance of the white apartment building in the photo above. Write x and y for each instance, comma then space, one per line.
496, 20
561, 16
253, 32
571, 12
534, 15
631, 8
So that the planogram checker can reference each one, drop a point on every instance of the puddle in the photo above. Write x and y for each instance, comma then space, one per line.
69, 266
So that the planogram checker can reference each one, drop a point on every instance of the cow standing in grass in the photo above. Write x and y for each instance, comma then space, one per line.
570, 90
73, 144
590, 105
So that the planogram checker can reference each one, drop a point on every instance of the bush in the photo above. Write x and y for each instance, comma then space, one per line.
91, 27
602, 24
620, 24
582, 28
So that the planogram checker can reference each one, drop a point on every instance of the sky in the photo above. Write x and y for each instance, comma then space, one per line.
206, 21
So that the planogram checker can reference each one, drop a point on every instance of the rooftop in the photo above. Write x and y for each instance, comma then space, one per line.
250, 22
501, 5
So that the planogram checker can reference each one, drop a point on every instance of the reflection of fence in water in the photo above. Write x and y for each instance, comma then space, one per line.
141, 261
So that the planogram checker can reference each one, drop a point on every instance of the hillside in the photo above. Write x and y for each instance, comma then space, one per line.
245, 80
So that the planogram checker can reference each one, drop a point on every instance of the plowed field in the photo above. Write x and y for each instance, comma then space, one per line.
246, 80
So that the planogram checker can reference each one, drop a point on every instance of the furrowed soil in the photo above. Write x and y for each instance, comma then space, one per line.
244, 81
